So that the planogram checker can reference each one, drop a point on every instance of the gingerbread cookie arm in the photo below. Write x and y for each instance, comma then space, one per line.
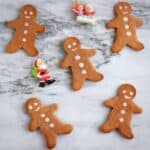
33, 125
12, 24
136, 108
89, 52
110, 102
65, 63
138, 21
112, 24
53, 107
39, 28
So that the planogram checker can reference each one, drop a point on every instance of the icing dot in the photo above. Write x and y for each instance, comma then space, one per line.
74, 43
122, 112
120, 7
124, 91
25, 12
51, 125
77, 57
126, 26
126, 7
24, 39
47, 119
30, 107
83, 71
69, 46
25, 31
128, 33
35, 104
31, 13
43, 115
124, 104
81, 65
26, 24
125, 19
131, 93
121, 119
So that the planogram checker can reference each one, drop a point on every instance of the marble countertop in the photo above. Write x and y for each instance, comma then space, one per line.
84, 109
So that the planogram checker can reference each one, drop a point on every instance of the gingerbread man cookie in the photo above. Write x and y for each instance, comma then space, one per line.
25, 31
44, 119
78, 60
122, 109
125, 25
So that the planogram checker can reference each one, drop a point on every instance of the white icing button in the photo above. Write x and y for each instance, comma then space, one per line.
121, 119
81, 65
128, 33
77, 57
83, 71
51, 125
47, 119
43, 115
30, 107
125, 19
126, 26
124, 104
120, 7
26, 24
24, 39
122, 112
25, 31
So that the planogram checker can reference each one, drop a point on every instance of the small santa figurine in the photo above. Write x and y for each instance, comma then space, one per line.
41, 72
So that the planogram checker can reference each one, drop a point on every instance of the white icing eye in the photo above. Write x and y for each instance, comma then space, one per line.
120, 7
31, 13
69, 46
74, 43
30, 107
124, 91
131, 93
25, 12
35, 104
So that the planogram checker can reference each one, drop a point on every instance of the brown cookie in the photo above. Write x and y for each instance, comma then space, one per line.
25, 28
125, 25
122, 109
44, 119
78, 60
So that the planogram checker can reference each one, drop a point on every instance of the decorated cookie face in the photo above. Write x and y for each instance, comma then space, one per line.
127, 92
28, 12
123, 8
33, 105
71, 44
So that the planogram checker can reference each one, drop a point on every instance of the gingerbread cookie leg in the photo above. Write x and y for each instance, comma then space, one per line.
136, 45
126, 131
95, 76
13, 46
51, 139
118, 44
31, 50
78, 81
64, 129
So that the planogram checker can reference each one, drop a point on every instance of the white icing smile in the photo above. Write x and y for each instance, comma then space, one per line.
27, 17
125, 12
126, 97
74, 49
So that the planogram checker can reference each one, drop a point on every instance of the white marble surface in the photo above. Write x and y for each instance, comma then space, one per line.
84, 109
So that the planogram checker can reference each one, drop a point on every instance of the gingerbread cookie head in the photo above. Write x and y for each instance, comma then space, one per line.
28, 12
72, 44
123, 8
127, 91
33, 105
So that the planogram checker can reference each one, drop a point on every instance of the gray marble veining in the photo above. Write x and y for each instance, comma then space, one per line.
83, 109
